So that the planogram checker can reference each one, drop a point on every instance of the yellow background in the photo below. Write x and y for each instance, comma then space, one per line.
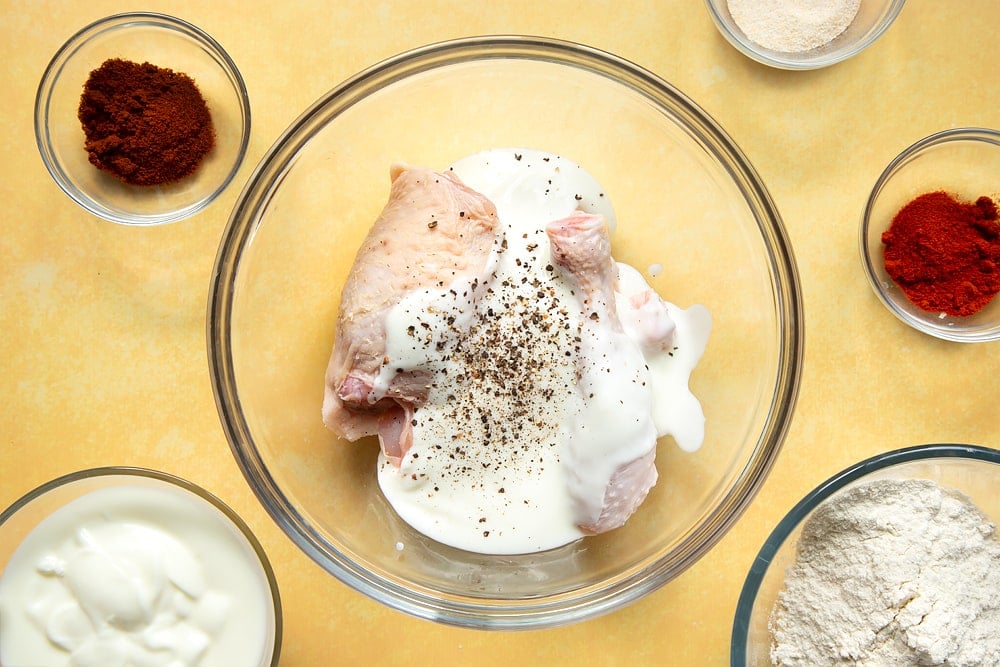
102, 327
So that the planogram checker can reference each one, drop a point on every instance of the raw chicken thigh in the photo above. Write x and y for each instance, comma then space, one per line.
432, 231
518, 377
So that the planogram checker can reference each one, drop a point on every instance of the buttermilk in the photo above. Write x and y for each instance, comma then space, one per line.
532, 404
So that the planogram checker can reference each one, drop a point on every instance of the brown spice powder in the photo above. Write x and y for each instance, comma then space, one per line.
145, 125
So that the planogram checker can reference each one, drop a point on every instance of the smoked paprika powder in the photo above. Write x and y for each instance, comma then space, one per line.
143, 124
944, 253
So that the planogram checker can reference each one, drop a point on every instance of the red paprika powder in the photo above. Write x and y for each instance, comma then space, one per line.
945, 254
144, 124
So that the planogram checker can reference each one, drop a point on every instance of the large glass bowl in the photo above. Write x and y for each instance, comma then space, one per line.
686, 198
971, 470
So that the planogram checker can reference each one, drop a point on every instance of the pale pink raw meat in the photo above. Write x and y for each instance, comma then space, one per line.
582, 248
432, 231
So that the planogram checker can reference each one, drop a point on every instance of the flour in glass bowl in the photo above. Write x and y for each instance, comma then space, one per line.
893, 572
793, 26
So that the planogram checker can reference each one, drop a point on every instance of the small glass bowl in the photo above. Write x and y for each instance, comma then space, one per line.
873, 18
968, 469
189, 508
164, 41
964, 162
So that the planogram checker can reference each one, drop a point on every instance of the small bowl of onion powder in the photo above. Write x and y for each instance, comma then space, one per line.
893, 561
802, 34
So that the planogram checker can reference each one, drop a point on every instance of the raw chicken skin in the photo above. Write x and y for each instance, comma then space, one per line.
432, 231
581, 248
436, 237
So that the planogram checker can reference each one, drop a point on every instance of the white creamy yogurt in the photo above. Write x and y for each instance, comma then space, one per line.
135, 575
518, 439
676, 411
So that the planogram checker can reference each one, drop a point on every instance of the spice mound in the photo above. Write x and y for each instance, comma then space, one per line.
945, 254
892, 572
145, 125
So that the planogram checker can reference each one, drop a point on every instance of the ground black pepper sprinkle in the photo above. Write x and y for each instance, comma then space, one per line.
508, 356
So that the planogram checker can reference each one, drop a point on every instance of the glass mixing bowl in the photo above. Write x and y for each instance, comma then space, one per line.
686, 198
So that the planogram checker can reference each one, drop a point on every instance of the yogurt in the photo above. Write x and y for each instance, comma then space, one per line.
518, 439
139, 575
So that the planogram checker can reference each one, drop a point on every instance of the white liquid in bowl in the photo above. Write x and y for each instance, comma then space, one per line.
136, 575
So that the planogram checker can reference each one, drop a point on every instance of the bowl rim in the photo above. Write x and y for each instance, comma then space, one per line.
788, 523
53, 70
923, 324
559, 609
173, 480
802, 62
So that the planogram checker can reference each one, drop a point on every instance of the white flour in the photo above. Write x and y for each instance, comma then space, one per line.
791, 26
892, 573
